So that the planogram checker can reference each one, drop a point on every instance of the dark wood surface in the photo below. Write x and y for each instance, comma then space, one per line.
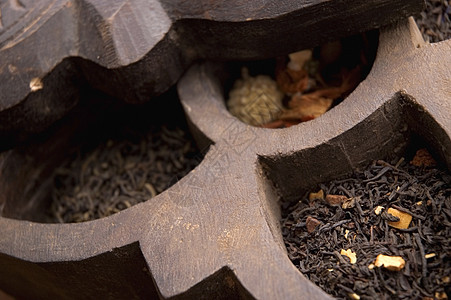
215, 234
136, 49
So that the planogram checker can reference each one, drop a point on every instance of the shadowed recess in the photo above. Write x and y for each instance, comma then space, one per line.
222, 285
119, 274
103, 157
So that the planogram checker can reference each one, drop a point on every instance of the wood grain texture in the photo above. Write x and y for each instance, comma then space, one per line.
136, 49
215, 233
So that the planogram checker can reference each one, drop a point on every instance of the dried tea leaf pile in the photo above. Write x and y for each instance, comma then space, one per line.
356, 216
434, 21
120, 173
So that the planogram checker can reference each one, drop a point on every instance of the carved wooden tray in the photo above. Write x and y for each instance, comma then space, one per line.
215, 234
136, 49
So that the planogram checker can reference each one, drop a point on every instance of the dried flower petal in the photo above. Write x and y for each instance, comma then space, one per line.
348, 203
316, 196
306, 107
354, 296
404, 219
299, 59
423, 158
352, 256
392, 263
311, 224
36, 84
378, 210
441, 295
335, 199
291, 80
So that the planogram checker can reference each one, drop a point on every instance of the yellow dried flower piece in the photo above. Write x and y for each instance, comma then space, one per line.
440, 295
316, 196
354, 296
392, 263
404, 219
378, 210
36, 84
255, 100
299, 59
348, 203
352, 256
346, 233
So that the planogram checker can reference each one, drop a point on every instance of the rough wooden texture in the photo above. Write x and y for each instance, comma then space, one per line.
135, 49
215, 234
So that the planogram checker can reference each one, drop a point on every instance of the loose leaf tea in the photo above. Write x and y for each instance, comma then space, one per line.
434, 21
120, 173
409, 261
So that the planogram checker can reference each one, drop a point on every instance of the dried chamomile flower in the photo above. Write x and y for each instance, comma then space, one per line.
255, 100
